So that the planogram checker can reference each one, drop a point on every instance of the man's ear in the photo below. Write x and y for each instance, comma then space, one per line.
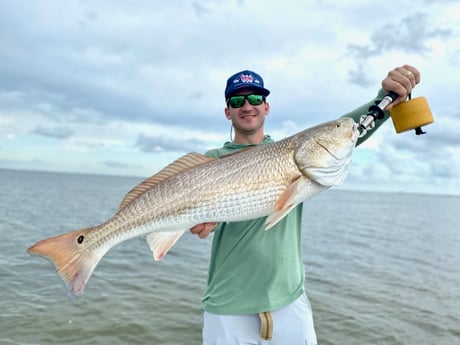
227, 113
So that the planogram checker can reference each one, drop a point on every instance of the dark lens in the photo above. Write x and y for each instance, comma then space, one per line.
236, 101
255, 99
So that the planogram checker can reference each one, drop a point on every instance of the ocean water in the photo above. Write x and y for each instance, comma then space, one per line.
381, 268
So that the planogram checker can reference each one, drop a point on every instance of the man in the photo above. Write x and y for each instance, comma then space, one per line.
255, 292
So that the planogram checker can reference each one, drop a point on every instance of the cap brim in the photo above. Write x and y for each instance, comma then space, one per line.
263, 91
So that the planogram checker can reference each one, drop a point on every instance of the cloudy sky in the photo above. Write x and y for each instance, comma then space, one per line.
125, 87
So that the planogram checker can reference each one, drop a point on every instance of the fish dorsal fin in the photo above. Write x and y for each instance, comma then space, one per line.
185, 162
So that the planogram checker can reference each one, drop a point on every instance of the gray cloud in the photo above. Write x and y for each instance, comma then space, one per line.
168, 144
427, 158
359, 76
200, 9
411, 35
54, 132
119, 165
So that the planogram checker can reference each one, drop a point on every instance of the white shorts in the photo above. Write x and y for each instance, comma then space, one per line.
292, 325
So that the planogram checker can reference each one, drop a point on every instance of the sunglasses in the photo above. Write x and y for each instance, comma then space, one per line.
238, 101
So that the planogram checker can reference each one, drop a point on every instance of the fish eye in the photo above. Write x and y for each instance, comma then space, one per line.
80, 239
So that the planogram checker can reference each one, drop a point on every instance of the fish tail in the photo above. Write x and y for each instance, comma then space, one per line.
72, 260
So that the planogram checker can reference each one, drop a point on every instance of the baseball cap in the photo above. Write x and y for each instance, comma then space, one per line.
245, 79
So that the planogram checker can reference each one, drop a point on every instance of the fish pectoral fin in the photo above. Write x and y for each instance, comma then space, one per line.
285, 203
161, 242
274, 218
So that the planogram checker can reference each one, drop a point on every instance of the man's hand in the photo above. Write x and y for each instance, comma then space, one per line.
401, 81
203, 230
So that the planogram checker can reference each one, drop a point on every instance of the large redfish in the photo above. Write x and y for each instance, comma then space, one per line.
266, 180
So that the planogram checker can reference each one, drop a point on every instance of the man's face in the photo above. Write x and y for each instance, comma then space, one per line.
248, 119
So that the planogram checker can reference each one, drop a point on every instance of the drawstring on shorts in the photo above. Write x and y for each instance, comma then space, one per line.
266, 325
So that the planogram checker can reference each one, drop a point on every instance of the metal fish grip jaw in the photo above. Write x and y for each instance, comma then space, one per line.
411, 114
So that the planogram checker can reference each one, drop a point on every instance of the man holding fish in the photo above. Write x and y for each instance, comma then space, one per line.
255, 292
253, 188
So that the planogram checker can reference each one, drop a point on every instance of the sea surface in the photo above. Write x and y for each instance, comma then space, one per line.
381, 268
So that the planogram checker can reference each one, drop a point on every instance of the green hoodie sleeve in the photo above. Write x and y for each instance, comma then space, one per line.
362, 110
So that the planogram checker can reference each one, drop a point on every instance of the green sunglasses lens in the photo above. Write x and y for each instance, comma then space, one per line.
238, 101
255, 99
